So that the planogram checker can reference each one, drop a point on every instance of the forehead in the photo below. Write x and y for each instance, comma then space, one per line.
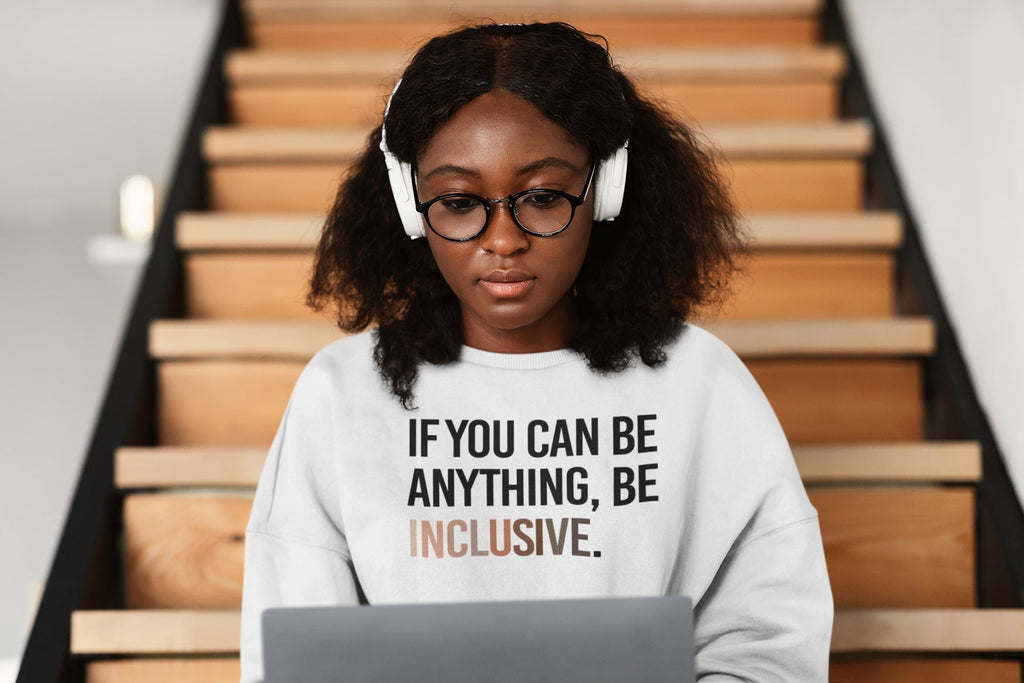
500, 127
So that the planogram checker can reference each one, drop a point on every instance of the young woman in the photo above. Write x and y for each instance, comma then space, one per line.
531, 416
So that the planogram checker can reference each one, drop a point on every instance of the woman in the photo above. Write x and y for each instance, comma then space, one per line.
532, 416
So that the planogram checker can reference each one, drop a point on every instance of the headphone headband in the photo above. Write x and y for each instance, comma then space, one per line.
609, 182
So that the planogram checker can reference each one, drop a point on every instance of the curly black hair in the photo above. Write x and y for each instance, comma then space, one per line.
672, 251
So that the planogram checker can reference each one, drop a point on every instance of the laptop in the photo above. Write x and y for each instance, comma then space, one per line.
613, 640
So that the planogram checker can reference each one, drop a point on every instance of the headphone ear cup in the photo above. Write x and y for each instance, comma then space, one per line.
610, 184
400, 176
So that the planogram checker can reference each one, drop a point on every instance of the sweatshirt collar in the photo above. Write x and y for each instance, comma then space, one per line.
517, 361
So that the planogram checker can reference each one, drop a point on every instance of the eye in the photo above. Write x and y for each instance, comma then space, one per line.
542, 200
458, 204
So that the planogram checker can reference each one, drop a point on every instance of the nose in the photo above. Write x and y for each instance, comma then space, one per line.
502, 236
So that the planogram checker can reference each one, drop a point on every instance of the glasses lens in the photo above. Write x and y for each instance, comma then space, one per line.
543, 211
457, 216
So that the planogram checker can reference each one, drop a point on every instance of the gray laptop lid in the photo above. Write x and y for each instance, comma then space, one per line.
635, 640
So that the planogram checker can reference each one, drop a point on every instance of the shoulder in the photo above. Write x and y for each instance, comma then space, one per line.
351, 353
696, 342
707, 365
346, 362
730, 387
736, 417
353, 349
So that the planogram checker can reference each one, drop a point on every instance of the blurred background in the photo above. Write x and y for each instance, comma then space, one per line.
92, 93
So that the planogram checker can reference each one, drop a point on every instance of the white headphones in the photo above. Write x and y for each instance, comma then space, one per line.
609, 183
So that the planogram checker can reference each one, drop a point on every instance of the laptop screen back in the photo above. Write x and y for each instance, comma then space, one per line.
570, 641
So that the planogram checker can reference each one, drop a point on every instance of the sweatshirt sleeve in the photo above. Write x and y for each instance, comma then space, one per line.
765, 613
768, 615
295, 547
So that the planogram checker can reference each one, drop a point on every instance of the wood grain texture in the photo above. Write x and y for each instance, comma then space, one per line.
360, 104
391, 33
268, 286
804, 139
167, 670
844, 400
775, 284
796, 185
285, 145
339, 145
191, 338
928, 630
274, 188
140, 632
745, 101
898, 547
930, 461
865, 230
877, 463
248, 67
207, 230
349, 104
924, 671
184, 552
197, 339
759, 185
880, 631
907, 547
188, 466
817, 337
814, 284
222, 403
353, 10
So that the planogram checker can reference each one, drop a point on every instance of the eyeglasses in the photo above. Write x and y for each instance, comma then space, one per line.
460, 217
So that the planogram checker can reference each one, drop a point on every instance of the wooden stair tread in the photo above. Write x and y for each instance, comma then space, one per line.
940, 630
240, 231
338, 10
188, 466
240, 466
291, 67
236, 231
860, 230
928, 461
813, 139
857, 337
164, 670
235, 145
193, 338
155, 631
98, 632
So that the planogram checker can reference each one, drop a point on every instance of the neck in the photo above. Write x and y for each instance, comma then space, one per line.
551, 333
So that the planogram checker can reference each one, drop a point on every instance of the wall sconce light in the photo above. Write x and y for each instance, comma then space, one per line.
138, 207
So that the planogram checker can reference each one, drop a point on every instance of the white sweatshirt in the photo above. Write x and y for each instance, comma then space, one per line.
529, 476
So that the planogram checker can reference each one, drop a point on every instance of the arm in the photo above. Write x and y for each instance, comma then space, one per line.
768, 614
764, 613
295, 547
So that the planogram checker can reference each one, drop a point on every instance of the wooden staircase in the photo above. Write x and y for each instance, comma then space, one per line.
816, 318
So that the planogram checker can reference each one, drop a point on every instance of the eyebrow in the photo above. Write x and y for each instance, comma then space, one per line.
546, 162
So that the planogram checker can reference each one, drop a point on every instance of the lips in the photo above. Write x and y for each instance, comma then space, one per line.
507, 284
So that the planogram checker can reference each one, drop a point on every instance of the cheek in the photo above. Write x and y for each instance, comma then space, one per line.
452, 259
571, 257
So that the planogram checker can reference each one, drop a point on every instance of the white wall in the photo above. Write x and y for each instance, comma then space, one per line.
90, 92
948, 79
